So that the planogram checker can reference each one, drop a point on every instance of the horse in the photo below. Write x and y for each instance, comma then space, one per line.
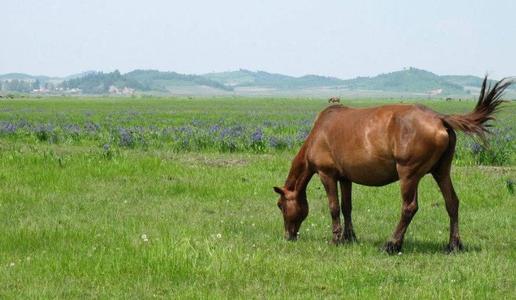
375, 147
334, 100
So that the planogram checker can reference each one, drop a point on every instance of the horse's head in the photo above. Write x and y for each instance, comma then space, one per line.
294, 208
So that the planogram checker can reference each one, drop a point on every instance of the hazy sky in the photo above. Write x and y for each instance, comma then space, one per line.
337, 38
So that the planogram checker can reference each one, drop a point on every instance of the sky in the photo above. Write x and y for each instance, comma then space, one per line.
340, 38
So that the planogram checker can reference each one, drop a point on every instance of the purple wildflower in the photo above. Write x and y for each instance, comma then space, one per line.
257, 136
7, 127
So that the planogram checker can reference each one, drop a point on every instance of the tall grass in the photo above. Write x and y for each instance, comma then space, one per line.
209, 125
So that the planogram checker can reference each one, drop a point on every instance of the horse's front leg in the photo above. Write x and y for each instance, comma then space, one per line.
330, 185
345, 189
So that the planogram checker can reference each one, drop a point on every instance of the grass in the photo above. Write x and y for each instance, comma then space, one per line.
153, 221
200, 125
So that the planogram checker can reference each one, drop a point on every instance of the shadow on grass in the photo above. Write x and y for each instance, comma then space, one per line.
429, 247
409, 246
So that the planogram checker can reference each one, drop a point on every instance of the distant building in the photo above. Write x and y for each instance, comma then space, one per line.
41, 90
114, 90
435, 92
121, 91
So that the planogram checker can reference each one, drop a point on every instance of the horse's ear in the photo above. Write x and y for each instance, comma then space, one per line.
279, 191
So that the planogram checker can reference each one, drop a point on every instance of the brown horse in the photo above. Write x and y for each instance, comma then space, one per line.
377, 146
334, 100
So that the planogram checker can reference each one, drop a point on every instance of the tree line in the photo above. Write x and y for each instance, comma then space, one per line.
21, 86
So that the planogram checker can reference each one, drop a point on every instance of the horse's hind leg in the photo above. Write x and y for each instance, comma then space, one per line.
349, 233
441, 174
452, 207
408, 210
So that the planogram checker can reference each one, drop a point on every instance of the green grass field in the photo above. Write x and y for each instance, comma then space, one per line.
172, 198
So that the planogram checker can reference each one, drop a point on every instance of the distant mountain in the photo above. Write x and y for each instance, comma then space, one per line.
467, 80
79, 75
140, 80
232, 78
410, 80
246, 78
23, 76
168, 81
42, 78
99, 83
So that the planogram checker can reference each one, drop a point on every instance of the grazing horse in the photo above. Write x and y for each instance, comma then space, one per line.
334, 100
377, 146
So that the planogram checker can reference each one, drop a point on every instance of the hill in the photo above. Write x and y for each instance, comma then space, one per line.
25, 77
140, 80
168, 81
409, 80
79, 75
246, 78
100, 83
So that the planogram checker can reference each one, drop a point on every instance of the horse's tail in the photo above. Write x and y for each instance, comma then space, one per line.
475, 122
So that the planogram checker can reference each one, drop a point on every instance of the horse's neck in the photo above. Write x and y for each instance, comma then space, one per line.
300, 174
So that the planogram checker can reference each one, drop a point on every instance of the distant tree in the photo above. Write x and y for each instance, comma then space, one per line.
49, 86
16, 85
98, 83
36, 84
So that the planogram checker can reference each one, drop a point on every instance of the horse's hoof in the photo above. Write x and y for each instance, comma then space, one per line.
291, 238
336, 241
454, 247
349, 237
392, 248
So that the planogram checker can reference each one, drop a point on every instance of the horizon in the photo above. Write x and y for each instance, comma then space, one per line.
243, 69
343, 40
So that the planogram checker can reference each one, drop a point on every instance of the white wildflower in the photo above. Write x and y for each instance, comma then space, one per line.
145, 238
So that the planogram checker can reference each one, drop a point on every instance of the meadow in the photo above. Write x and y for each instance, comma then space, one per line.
172, 197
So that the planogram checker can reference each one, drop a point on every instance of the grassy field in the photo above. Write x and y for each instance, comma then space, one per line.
145, 198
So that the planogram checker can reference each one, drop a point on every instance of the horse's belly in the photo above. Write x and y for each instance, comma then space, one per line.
373, 173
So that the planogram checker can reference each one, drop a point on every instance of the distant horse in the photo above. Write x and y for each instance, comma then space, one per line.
377, 146
334, 100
